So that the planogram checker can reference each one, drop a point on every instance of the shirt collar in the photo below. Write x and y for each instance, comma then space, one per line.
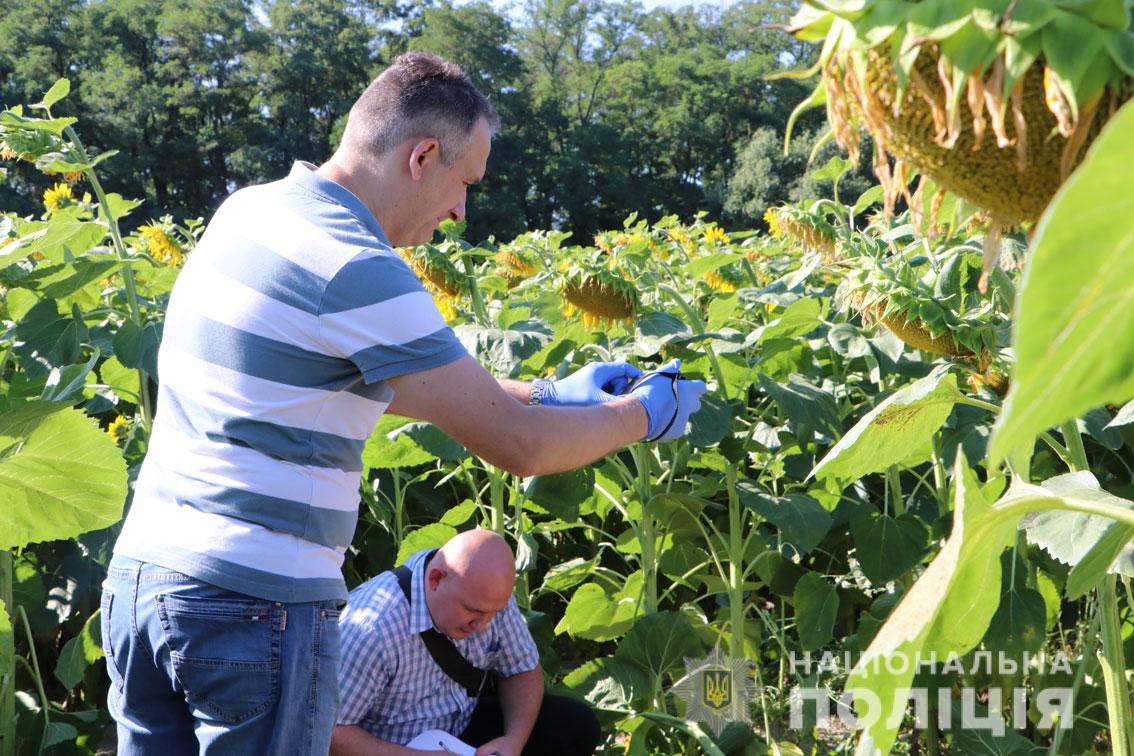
420, 619
303, 174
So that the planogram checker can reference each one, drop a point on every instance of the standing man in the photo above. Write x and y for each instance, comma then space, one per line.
393, 687
291, 330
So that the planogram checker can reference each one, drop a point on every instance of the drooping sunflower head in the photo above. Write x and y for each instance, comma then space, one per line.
515, 263
435, 269
970, 94
599, 295
27, 144
681, 237
724, 279
58, 197
806, 230
161, 244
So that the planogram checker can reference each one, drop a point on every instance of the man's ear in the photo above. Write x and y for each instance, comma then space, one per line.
424, 153
433, 577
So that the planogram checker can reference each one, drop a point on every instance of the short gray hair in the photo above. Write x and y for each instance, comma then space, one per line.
420, 95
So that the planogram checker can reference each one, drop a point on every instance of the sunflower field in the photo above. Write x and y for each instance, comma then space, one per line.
915, 461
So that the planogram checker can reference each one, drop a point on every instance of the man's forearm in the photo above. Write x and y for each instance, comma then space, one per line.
349, 740
520, 698
521, 391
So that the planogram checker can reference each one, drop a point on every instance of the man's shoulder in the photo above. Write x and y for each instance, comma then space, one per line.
377, 602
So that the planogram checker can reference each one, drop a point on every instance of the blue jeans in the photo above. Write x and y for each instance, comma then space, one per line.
198, 669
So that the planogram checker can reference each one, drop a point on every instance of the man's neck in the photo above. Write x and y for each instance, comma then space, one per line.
361, 181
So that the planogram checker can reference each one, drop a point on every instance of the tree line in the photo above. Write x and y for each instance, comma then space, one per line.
606, 109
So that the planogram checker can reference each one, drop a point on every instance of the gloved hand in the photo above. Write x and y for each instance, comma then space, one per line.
591, 384
668, 402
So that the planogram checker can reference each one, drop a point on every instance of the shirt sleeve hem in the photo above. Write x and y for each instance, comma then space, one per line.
450, 353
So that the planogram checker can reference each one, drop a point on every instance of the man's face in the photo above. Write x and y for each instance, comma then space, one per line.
444, 189
463, 606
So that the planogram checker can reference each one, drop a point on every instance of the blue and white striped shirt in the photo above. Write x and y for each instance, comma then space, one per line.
280, 333
389, 684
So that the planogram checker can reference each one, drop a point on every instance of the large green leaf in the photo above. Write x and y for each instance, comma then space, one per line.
137, 346
596, 614
807, 408
1075, 298
48, 339
504, 349
799, 319
801, 520
898, 430
947, 610
1092, 545
887, 546
386, 448
658, 643
710, 424
816, 606
561, 494
79, 653
59, 474
609, 683
1019, 623
430, 536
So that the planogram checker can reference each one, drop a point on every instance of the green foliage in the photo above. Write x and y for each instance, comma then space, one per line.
59, 474
1075, 288
946, 611
892, 433
660, 551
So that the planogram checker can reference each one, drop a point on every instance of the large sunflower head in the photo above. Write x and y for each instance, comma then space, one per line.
515, 263
435, 269
799, 228
598, 294
969, 93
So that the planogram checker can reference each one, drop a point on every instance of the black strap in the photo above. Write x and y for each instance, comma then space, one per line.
441, 648
674, 376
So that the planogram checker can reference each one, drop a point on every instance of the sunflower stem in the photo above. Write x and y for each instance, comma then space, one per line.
699, 328
1114, 668
7, 676
479, 308
124, 257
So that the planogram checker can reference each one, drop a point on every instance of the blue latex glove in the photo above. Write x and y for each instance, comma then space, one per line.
591, 384
668, 403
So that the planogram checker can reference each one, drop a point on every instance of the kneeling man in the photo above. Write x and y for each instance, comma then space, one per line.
420, 642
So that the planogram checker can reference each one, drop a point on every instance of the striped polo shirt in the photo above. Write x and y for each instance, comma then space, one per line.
389, 684
279, 336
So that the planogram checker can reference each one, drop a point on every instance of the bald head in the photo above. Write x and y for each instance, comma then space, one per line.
469, 580
482, 555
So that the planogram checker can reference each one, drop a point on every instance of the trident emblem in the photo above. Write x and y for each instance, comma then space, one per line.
717, 693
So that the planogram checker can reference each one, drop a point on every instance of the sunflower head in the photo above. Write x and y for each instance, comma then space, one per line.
435, 269
161, 244
599, 295
723, 279
809, 231
58, 197
118, 428
516, 263
994, 101
716, 235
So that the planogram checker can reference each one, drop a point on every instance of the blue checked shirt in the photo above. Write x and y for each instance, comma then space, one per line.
390, 686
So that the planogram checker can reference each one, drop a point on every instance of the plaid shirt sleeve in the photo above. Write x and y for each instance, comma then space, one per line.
518, 652
365, 671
